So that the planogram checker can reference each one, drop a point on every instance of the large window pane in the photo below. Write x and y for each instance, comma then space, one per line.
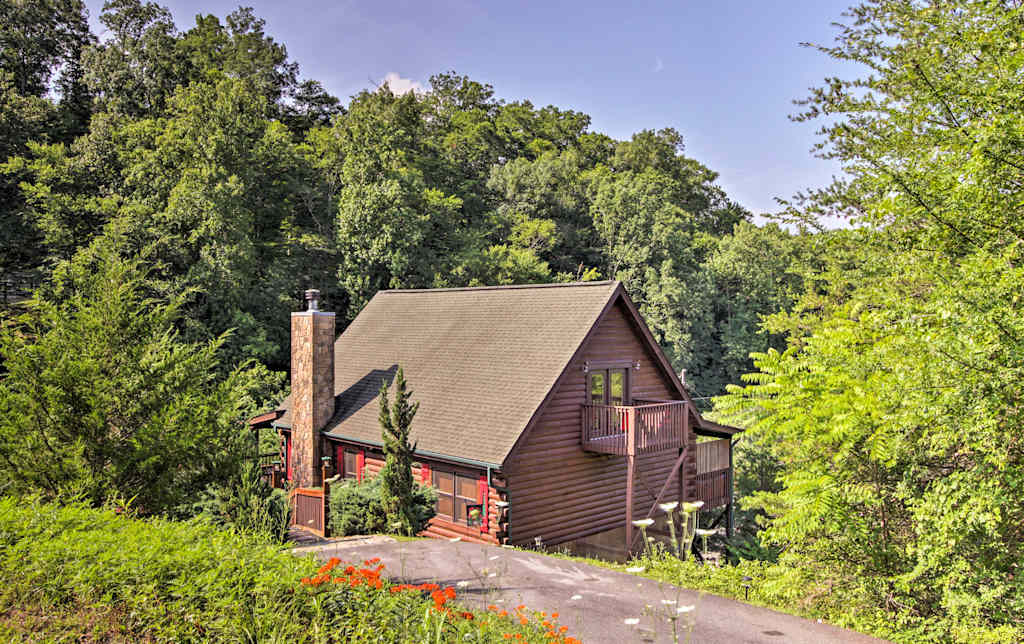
616, 386
444, 482
597, 388
468, 488
445, 505
351, 466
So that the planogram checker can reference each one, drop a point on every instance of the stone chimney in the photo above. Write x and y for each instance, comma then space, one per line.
312, 388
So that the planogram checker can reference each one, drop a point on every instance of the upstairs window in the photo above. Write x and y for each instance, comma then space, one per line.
609, 387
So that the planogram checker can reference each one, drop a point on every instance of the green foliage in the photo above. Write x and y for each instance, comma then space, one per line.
78, 574
247, 505
397, 489
357, 508
793, 586
895, 406
244, 185
102, 398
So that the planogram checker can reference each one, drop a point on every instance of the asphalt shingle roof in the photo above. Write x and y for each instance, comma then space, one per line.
480, 361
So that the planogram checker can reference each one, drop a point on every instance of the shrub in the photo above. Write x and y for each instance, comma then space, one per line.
356, 508
78, 574
102, 398
247, 505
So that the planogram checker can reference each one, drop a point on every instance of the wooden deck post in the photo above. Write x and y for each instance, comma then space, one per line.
729, 519
630, 475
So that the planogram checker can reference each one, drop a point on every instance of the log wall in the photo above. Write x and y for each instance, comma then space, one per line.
557, 491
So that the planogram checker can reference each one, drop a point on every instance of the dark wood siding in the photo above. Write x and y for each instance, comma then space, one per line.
558, 492
440, 528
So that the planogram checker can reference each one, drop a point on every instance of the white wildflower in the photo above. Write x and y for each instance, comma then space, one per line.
700, 532
693, 507
644, 523
462, 584
668, 507
631, 621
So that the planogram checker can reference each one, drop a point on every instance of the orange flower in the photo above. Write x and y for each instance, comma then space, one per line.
507, 636
520, 606
492, 607
467, 615
503, 613
546, 624
449, 592
554, 615
524, 621
563, 629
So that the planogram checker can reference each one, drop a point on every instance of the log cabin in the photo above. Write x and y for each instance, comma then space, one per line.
548, 413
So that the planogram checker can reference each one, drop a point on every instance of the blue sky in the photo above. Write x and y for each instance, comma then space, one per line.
722, 72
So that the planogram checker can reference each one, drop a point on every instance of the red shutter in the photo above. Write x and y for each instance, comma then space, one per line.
482, 494
339, 460
288, 455
425, 474
360, 464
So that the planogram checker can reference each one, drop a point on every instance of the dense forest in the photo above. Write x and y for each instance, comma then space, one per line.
174, 190
205, 152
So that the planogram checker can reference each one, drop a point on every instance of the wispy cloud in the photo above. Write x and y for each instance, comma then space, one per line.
401, 85
659, 64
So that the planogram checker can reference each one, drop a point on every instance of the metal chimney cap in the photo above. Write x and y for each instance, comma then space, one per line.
313, 299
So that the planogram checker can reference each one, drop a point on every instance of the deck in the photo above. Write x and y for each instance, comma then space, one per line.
635, 429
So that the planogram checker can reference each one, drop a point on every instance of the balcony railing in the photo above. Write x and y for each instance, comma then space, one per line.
634, 429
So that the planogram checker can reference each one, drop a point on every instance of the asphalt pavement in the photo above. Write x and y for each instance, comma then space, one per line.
598, 605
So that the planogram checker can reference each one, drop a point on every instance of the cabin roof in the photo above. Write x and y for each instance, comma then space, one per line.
480, 361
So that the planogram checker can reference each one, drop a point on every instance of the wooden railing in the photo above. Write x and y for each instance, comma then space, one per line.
713, 488
713, 455
636, 429
309, 510
713, 473
271, 468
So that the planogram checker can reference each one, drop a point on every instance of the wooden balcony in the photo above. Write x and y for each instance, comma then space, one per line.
635, 429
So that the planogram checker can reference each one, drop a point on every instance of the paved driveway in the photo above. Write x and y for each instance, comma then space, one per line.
593, 602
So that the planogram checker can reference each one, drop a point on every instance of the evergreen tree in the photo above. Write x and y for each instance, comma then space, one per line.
396, 475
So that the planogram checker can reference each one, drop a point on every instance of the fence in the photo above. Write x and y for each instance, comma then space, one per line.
309, 510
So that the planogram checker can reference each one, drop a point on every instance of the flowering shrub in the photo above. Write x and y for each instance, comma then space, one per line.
443, 620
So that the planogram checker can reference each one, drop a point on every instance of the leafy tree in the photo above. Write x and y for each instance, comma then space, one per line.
397, 487
755, 271
894, 410
102, 399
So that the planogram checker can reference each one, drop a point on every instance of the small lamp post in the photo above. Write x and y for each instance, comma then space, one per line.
746, 587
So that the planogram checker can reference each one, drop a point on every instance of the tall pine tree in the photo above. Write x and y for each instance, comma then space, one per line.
396, 475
